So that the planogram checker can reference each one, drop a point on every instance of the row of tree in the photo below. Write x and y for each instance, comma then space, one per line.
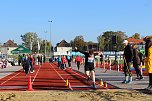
32, 41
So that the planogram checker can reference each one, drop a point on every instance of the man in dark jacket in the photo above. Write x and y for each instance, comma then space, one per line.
128, 55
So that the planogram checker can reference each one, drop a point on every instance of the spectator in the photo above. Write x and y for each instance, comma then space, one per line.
78, 61
136, 62
69, 61
148, 60
128, 55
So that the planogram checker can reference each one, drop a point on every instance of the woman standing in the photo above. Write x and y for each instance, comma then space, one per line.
136, 62
78, 60
148, 60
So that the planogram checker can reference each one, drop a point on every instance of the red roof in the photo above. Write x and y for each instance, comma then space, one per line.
136, 41
9, 43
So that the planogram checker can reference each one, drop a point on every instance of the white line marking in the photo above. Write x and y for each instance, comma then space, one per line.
58, 73
36, 74
10, 78
60, 76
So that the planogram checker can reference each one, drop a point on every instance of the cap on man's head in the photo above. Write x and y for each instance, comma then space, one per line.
125, 41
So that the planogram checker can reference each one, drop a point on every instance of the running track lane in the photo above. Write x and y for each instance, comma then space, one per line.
47, 77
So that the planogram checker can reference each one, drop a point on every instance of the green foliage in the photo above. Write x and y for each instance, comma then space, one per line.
101, 42
136, 36
31, 38
78, 42
105, 40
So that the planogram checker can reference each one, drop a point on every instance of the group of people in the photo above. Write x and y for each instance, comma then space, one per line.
62, 60
28, 61
131, 56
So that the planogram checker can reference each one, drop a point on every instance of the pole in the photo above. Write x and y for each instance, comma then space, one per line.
45, 45
50, 39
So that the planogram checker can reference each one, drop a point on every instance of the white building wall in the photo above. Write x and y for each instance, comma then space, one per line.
63, 51
7, 50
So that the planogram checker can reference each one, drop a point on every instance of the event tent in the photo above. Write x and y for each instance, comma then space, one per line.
20, 50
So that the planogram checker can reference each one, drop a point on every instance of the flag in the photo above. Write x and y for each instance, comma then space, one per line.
31, 46
38, 45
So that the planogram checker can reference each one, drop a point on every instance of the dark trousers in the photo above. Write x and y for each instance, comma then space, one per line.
59, 63
26, 69
62, 66
78, 64
126, 68
31, 68
69, 63
150, 79
138, 72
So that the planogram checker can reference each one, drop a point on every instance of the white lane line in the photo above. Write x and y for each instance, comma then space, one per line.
36, 74
10, 78
79, 74
60, 75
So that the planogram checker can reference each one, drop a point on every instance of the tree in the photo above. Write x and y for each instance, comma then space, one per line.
136, 36
30, 39
101, 42
108, 40
105, 40
45, 46
78, 42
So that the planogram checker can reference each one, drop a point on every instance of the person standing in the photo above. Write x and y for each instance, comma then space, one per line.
89, 64
101, 58
59, 61
39, 59
136, 62
31, 63
63, 62
23, 62
69, 60
148, 60
78, 61
19, 60
128, 55
27, 64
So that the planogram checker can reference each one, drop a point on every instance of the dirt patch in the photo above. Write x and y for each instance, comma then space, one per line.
98, 95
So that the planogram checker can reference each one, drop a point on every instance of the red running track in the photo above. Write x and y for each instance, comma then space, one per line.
48, 77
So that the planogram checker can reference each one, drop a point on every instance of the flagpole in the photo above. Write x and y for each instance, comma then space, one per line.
50, 39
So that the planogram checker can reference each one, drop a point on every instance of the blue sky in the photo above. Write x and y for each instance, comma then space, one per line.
71, 18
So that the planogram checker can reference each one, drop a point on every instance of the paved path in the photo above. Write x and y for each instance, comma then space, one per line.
115, 78
9, 70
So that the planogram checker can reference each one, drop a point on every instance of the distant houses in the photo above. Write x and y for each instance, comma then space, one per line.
139, 42
7, 47
63, 48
